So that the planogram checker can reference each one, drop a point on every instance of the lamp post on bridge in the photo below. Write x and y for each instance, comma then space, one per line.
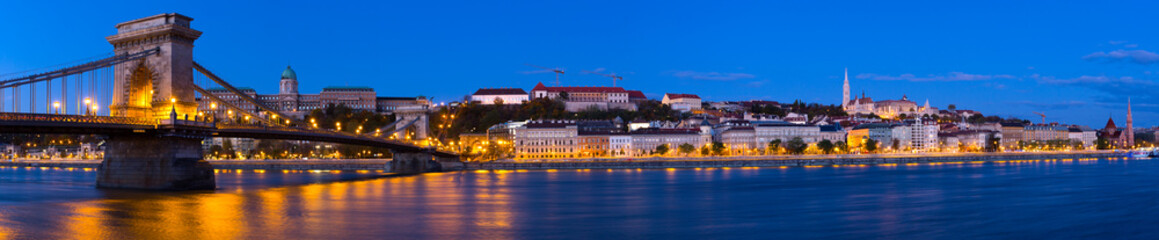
88, 102
56, 106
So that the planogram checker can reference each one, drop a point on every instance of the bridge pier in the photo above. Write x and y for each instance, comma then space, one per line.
422, 162
153, 162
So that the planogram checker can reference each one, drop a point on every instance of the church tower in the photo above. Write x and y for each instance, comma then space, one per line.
1130, 131
845, 91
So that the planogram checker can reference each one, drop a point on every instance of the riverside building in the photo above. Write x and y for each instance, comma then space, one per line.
546, 139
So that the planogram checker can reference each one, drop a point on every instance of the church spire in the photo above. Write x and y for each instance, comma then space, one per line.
845, 89
1130, 131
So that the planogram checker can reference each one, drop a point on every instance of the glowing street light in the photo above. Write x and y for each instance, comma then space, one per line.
56, 105
87, 102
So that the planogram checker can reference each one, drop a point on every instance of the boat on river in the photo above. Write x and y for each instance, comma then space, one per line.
1147, 152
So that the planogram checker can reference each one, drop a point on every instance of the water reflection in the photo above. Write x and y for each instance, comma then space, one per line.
1032, 198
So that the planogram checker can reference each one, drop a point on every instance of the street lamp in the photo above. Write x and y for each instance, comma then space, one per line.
87, 102
95, 108
56, 106
173, 104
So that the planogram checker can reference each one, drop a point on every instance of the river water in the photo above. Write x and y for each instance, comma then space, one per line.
1043, 199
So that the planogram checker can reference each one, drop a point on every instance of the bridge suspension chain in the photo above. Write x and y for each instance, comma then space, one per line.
240, 95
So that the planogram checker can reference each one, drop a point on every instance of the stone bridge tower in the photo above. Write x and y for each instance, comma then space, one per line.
406, 114
155, 85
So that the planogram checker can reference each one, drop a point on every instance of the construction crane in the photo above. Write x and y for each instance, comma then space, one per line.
1043, 117
556, 70
613, 76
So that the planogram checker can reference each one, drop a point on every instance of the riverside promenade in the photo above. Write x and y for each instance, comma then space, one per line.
785, 160
653, 162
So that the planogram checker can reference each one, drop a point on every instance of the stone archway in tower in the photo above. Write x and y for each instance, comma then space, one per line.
139, 92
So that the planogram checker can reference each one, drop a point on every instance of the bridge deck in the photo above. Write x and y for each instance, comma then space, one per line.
104, 125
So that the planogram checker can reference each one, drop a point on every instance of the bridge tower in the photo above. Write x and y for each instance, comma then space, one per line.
146, 88
407, 114
158, 87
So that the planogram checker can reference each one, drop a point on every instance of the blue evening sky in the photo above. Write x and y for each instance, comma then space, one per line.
1075, 61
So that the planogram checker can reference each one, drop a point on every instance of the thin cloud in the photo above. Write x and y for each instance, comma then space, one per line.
1133, 56
1103, 81
757, 84
1115, 90
951, 77
715, 76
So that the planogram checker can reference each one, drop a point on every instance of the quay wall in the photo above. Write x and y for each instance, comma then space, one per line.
344, 164
777, 161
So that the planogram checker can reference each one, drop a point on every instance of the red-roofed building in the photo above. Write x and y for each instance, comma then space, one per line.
636, 96
582, 98
682, 102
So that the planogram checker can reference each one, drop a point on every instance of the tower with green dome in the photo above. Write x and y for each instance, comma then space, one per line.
289, 85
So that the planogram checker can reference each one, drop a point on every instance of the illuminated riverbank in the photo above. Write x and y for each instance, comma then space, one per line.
695, 162
789, 160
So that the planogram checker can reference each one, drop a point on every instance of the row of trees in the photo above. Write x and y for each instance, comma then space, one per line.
793, 146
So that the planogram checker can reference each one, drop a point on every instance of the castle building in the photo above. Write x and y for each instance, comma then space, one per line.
582, 98
492, 96
289, 102
681, 101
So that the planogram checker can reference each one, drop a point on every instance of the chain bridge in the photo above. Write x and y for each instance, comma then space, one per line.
146, 103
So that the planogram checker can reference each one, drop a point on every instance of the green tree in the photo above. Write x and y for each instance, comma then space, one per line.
775, 145
796, 145
662, 149
564, 95
718, 148
993, 142
896, 145
705, 151
227, 149
1103, 144
216, 150
841, 146
826, 146
870, 145
686, 148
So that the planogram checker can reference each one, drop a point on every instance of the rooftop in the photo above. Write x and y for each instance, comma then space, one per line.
500, 91
541, 87
681, 95
345, 88
289, 74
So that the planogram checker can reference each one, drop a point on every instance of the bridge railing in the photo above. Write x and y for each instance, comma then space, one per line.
38, 117
322, 132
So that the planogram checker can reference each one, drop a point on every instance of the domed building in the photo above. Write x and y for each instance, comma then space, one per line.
289, 102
